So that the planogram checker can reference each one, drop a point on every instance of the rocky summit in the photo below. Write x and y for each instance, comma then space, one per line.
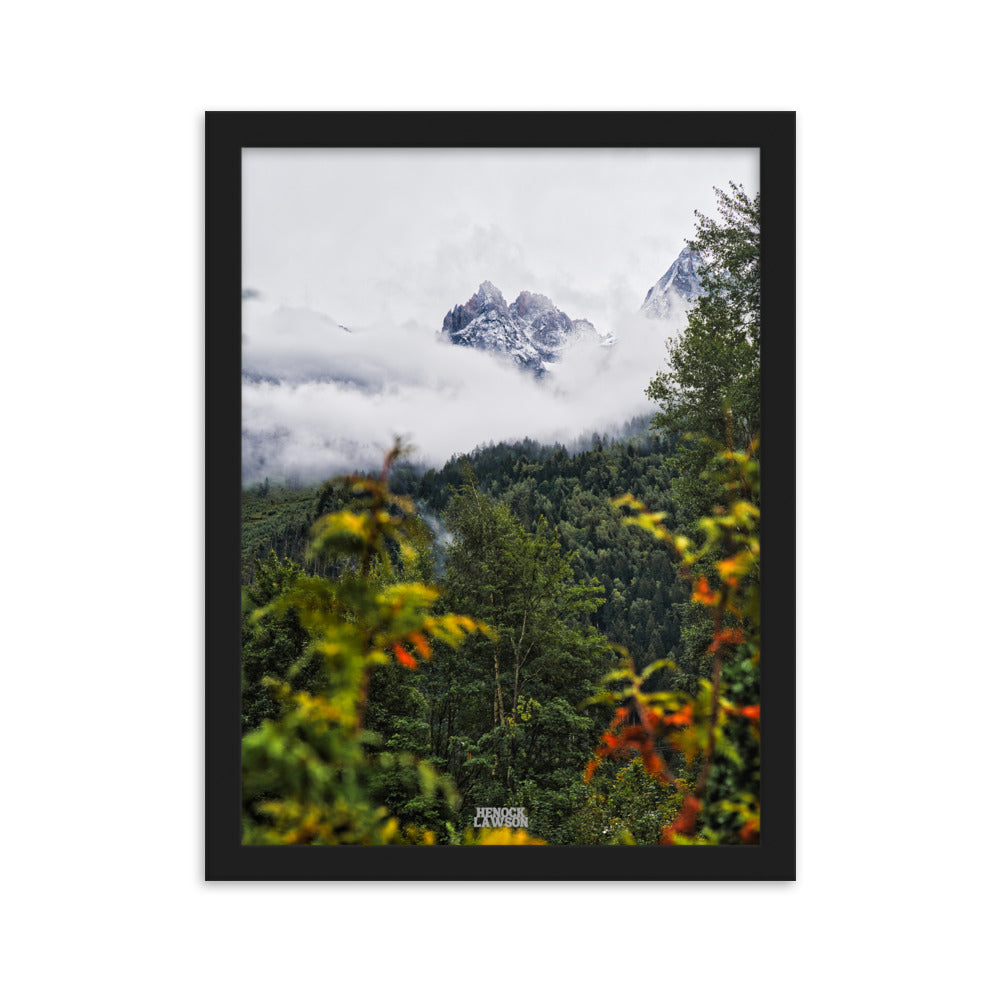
677, 289
531, 331
535, 335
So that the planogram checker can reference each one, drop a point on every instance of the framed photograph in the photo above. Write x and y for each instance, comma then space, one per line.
500, 504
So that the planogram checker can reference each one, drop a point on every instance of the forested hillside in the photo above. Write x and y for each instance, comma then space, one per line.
570, 634
569, 491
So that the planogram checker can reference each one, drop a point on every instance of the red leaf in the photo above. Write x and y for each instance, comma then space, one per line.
727, 636
403, 656
682, 718
684, 822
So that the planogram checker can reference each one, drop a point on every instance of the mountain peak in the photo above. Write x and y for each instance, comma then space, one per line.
487, 298
532, 302
531, 330
677, 288
490, 293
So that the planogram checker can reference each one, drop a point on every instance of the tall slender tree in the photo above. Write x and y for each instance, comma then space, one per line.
709, 390
505, 711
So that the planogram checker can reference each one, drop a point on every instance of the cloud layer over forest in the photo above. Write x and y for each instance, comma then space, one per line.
319, 399
386, 241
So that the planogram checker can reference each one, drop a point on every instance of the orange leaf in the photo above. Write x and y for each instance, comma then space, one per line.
730, 570
403, 656
421, 645
703, 593
682, 718
727, 636
684, 823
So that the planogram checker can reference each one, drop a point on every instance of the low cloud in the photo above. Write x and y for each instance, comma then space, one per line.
319, 399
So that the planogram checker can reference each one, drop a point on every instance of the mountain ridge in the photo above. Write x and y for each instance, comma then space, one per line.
534, 334
530, 331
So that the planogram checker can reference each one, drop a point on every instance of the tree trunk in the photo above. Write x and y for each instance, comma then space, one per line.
498, 695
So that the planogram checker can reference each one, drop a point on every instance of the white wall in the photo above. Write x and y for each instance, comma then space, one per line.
101, 214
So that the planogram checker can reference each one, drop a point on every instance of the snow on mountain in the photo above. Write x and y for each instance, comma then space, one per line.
531, 330
677, 289
320, 398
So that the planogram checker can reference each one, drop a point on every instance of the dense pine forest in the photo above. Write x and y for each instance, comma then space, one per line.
570, 492
569, 633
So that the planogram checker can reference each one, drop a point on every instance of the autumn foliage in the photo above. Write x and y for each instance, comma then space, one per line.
308, 775
714, 734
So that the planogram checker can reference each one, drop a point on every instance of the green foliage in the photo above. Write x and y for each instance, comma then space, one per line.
533, 759
502, 712
626, 805
514, 617
717, 729
273, 647
570, 490
568, 487
713, 370
730, 247
276, 520
709, 397
312, 775
709, 392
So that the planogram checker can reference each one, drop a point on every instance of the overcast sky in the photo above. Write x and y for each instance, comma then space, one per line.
393, 235
385, 242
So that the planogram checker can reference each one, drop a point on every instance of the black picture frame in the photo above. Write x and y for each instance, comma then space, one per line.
226, 135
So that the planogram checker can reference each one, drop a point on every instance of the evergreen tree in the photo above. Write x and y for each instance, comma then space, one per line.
709, 392
504, 712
